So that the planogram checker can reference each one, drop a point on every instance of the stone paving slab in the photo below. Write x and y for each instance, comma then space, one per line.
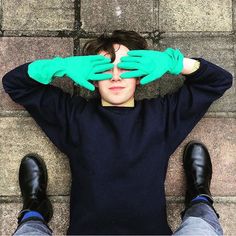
59, 223
38, 15
200, 16
97, 16
234, 16
15, 51
218, 50
1, 15
83, 41
20, 136
218, 134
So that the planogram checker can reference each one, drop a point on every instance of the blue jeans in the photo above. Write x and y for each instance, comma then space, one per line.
200, 219
33, 227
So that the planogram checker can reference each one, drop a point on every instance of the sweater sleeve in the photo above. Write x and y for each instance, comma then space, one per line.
54, 110
184, 108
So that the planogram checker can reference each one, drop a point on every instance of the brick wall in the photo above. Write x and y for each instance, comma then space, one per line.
34, 29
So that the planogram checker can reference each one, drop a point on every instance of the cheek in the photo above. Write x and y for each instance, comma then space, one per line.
103, 84
134, 83
100, 83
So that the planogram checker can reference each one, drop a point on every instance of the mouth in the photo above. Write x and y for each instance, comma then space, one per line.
116, 88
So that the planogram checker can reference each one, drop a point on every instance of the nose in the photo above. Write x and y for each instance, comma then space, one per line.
116, 74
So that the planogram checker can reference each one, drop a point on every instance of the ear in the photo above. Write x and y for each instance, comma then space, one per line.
95, 83
138, 80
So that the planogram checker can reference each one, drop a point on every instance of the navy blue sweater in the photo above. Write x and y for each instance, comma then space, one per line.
118, 155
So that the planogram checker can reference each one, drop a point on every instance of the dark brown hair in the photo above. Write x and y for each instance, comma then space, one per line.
131, 39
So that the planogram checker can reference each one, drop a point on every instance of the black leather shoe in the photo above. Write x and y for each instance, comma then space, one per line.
198, 171
33, 184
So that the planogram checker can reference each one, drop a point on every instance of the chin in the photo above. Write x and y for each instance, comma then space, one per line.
117, 103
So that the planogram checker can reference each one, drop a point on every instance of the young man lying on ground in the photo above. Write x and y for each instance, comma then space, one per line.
118, 148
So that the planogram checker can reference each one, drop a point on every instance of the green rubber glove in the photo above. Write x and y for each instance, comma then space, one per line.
151, 64
79, 68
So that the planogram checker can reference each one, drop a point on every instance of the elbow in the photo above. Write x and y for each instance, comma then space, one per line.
230, 79
226, 79
226, 83
8, 82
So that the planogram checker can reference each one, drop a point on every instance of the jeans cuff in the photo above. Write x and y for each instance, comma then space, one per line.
33, 219
197, 202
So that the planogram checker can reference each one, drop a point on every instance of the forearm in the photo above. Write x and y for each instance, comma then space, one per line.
18, 84
190, 66
210, 78
18, 78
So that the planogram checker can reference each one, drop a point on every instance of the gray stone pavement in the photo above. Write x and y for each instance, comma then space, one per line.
43, 29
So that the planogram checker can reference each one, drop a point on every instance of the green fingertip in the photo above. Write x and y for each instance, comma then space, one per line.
131, 52
106, 77
95, 56
97, 77
142, 83
91, 88
101, 57
124, 76
124, 58
107, 59
119, 65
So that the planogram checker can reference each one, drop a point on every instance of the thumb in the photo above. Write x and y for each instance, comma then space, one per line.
87, 85
147, 79
83, 83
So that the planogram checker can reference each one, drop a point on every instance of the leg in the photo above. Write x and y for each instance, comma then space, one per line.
37, 208
33, 227
199, 217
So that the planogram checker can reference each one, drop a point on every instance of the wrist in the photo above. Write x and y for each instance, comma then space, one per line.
176, 61
59, 66
43, 70
190, 66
